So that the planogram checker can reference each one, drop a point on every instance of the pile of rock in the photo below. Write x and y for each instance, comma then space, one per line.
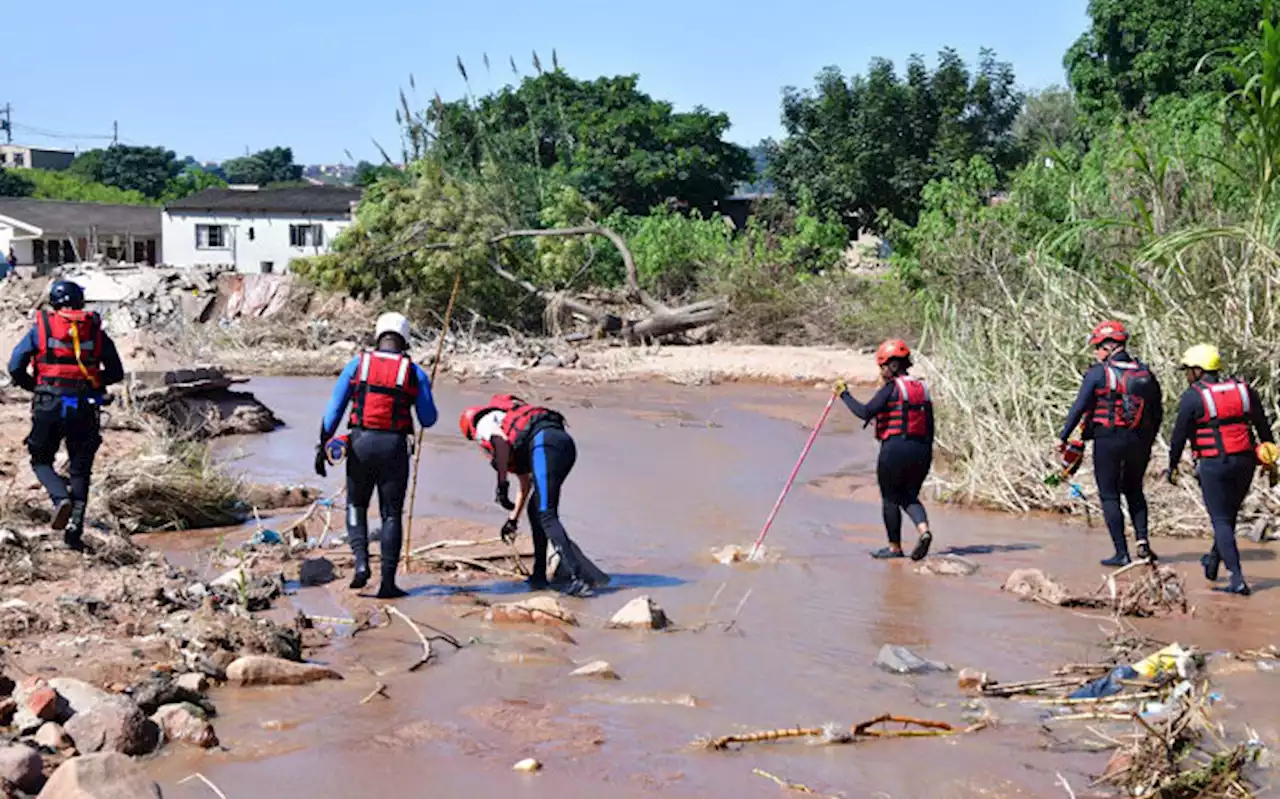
200, 402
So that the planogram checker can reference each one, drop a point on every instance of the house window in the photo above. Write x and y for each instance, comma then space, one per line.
211, 237
306, 236
37, 251
19, 159
68, 252
267, 267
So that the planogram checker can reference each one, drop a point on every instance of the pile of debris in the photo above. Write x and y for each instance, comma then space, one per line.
199, 403
1148, 589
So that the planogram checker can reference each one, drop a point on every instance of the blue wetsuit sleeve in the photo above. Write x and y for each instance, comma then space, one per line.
1258, 415
112, 368
1189, 406
878, 403
338, 401
20, 360
1085, 400
425, 405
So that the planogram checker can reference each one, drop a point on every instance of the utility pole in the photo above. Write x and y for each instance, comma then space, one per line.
7, 124
115, 133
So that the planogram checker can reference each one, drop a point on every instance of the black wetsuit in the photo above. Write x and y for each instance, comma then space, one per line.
377, 459
1224, 480
902, 467
1120, 454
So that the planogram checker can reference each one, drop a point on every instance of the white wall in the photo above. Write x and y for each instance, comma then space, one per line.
269, 241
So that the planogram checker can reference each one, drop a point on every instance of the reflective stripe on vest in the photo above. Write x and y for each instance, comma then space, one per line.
1224, 428
907, 414
383, 393
1116, 405
68, 350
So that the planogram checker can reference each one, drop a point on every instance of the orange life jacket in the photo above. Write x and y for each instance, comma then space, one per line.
68, 351
384, 389
518, 424
1224, 426
1121, 403
907, 414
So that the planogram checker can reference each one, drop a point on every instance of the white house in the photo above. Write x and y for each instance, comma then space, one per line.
44, 233
255, 230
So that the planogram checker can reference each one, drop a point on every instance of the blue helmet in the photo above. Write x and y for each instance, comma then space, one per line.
65, 294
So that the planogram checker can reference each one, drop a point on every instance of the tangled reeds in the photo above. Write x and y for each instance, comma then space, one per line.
835, 734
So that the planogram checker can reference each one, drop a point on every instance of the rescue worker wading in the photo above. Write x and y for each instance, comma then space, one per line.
1222, 419
531, 442
1121, 405
73, 360
384, 388
903, 413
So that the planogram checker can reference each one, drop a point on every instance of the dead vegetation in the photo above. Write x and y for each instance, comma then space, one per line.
835, 734
1147, 589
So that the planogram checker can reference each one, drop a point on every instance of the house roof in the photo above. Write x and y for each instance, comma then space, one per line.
291, 200
72, 218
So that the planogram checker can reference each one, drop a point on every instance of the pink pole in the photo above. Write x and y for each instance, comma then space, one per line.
808, 446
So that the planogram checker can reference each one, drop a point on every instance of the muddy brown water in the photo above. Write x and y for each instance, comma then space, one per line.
664, 475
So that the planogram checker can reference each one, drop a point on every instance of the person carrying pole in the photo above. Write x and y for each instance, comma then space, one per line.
72, 360
1121, 404
1222, 419
532, 443
903, 413
382, 386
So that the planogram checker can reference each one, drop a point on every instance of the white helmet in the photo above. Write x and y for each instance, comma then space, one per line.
392, 323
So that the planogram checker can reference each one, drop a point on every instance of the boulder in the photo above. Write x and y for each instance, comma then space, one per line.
900, 660
192, 681
22, 766
316, 571
187, 723
265, 670
544, 610
162, 689
599, 669
641, 613
108, 775
37, 702
51, 736
77, 696
113, 725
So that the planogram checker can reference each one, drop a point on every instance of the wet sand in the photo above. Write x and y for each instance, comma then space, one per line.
664, 475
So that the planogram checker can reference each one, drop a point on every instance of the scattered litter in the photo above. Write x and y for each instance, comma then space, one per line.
265, 538
598, 668
900, 660
528, 765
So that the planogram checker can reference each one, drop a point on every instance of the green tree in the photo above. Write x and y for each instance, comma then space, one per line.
274, 165
192, 180
146, 170
14, 184
66, 186
616, 145
1138, 50
1049, 119
367, 174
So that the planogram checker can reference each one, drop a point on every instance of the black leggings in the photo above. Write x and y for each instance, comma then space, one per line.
552, 454
901, 471
51, 425
377, 459
1224, 484
1119, 465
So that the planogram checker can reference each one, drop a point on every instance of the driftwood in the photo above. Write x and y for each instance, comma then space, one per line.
833, 734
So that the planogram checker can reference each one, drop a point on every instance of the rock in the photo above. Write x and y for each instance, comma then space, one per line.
528, 765
8, 706
113, 725
187, 723
37, 703
102, 776
232, 579
544, 610
949, 565
162, 689
900, 660
193, 681
22, 766
77, 695
6, 685
265, 670
52, 736
597, 668
641, 613
1033, 584
43, 703
316, 571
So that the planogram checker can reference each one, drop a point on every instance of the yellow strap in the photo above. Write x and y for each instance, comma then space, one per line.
75, 344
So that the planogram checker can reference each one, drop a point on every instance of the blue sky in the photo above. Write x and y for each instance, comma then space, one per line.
212, 79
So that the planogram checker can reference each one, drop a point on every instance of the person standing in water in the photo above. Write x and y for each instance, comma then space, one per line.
903, 413
382, 386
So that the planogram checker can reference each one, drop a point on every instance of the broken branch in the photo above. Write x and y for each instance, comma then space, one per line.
426, 644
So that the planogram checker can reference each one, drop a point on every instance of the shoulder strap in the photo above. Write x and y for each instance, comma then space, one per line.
362, 372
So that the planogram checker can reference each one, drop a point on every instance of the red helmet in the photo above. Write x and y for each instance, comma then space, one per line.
890, 349
467, 422
1110, 330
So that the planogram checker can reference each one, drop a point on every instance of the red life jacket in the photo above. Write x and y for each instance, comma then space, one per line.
384, 389
907, 414
1224, 426
1121, 403
505, 402
68, 351
518, 424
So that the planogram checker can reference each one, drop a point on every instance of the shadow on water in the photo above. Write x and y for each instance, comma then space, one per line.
618, 582
988, 549
1247, 555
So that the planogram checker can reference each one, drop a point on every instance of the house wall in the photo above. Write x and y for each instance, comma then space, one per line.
250, 239
35, 158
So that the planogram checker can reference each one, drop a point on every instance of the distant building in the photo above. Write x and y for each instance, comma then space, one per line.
17, 155
45, 233
255, 230
739, 207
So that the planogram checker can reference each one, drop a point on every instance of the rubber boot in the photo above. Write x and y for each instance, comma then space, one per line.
1116, 561
358, 538
1211, 563
1145, 553
61, 514
389, 559
1236, 585
73, 533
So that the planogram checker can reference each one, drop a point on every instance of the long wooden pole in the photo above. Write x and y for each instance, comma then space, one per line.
417, 448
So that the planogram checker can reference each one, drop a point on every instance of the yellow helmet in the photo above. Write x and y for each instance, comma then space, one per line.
1204, 356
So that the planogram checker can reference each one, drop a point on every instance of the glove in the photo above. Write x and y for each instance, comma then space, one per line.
509, 531
501, 497
1062, 447
320, 461
841, 388
1171, 475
